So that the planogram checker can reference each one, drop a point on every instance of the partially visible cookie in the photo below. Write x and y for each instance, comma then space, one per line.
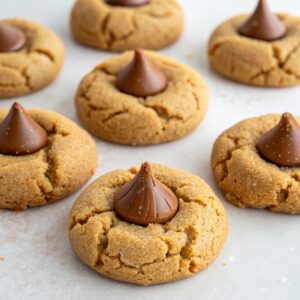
151, 254
34, 64
44, 157
256, 163
258, 50
153, 25
115, 112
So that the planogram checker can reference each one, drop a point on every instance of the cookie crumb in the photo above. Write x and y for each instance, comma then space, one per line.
133, 170
1, 258
189, 55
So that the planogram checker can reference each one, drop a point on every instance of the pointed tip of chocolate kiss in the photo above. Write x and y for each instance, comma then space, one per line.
263, 24
20, 134
141, 78
145, 200
11, 38
281, 145
127, 2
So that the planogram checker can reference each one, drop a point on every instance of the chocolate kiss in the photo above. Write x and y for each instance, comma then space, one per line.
263, 25
127, 2
20, 134
281, 145
141, 78
145, 200
11, 38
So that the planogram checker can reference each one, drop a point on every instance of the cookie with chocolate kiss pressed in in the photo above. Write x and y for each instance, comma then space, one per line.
44, 157
141, 98
256, 163
261, 49
148, 226
30, 57
120, 25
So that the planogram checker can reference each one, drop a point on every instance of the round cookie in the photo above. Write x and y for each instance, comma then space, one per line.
152, 26
34, 66
256, 62
247, 179
52, 173
121, 118
158, 253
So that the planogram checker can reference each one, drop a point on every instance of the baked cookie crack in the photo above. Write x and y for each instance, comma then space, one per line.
282, 64
23, 73
224, 162
46, 54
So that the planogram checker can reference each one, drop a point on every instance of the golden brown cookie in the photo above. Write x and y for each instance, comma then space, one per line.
158, 253
121, 118
35, 65
247, 179
152, 26
52, 173
256, 62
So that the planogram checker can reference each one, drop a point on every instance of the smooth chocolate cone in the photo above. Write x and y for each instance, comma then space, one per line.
145, 200
11, 38
127, 2
141, 78
263, 24
20, 134
281, 145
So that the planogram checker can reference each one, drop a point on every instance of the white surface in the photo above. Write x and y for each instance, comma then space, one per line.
261, 259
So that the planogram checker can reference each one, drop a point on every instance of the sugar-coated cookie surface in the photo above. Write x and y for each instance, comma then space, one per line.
152, 26
248, 180
121, 118
35, 65
52, 173
256, 62
158, 253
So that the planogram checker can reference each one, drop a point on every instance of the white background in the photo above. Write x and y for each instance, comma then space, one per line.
261, 258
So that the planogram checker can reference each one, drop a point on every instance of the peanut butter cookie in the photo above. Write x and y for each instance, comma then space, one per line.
257, 165
148, 99
30, 57
268, 56
155, 253
44, 157
121, 25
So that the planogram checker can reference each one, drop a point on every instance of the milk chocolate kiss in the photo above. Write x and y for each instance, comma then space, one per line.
145, 200
127, 2
263, 25
20, 134
281, 145
141, 78
11, 38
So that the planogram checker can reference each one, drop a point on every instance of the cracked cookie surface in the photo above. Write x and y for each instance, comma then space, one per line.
254, 62
158, 253
53, 172
34, 66
153, 26
246, 179
125, 119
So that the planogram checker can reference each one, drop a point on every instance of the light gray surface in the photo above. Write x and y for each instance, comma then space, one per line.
261, 259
